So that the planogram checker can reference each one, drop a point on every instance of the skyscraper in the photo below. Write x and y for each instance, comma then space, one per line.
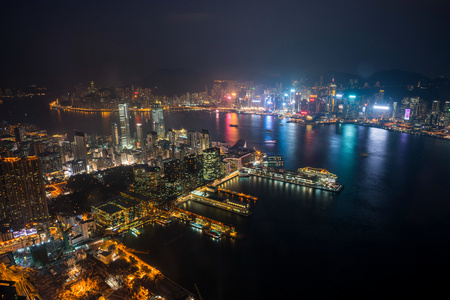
192, 139
22, 195
158, 120
332, 96
205, 141
151, 141
80, 149
171, 136
140, 136
19, 133
115, 134
211, 163
124, 125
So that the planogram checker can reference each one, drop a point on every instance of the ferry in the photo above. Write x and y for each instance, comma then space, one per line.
243, 173
212, 233
196, 225
135, 231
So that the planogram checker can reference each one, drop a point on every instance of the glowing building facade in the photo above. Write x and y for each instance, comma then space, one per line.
22, 195
124, 125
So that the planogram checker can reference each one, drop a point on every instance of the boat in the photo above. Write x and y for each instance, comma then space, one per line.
212, 233
269, 131
243, 173
196, 225
270, 141
135, 231
281, 124
234, 125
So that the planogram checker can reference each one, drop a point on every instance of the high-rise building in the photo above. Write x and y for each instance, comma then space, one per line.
436, 106
193, 170
171, 136
115, 134
50, 162
173, 170
22, 195
192, 139
139, 136
124, 125
332, 96
173, 177
151, 141
211, 163
147, 181
158, 120
205, 139
80, 149
19, 133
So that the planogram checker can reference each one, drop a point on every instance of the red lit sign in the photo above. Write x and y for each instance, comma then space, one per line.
303, 113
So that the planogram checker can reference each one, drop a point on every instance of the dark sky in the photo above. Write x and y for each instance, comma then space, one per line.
65, 41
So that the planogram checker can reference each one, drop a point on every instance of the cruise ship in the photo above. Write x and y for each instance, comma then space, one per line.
310, 177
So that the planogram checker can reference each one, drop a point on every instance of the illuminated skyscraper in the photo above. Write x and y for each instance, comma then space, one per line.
211, 163
158, 120
115, 134
124, 125
151, 141
22, 195
140, 136
332, 96
147, 180
205, 139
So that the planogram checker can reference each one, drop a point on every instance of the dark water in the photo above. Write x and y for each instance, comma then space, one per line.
387, 232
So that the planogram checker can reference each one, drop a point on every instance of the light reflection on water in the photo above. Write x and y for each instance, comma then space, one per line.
394, 202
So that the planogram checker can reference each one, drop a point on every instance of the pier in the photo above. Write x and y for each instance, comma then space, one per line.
178, 213
241, 196
228, 205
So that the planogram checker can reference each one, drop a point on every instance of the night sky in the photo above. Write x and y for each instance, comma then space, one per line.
108, 41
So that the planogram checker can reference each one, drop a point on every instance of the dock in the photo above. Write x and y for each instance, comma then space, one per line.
203, 221
228, 205
241, 196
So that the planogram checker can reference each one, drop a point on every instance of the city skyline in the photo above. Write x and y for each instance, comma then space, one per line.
224, 150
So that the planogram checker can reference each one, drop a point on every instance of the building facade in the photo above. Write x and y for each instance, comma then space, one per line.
22, 195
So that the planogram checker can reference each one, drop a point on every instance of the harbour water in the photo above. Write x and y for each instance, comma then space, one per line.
386, 232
